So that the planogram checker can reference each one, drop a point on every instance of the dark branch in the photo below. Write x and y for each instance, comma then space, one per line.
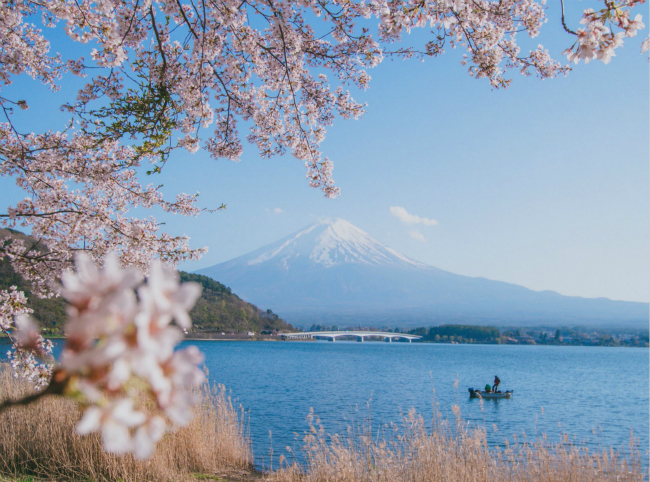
567, 29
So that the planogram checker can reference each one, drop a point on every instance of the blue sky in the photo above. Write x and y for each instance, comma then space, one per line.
545, 184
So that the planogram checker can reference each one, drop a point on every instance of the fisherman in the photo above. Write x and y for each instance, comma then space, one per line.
488, 388
496, 383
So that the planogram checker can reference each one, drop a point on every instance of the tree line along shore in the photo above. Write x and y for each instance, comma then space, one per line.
581, 336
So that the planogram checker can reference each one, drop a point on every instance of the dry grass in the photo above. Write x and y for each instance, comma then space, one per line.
40, 440
448, 453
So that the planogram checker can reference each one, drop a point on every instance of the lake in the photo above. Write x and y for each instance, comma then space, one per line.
596, 395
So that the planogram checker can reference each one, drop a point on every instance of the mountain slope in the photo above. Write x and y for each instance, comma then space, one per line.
218, 309
332, 272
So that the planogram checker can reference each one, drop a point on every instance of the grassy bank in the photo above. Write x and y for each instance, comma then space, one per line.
40, 440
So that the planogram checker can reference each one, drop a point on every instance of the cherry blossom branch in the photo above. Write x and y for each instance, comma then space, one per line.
566, 29
160, 46
7, 404
56, 386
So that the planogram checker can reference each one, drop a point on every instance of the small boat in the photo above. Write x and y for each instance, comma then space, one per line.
475, 393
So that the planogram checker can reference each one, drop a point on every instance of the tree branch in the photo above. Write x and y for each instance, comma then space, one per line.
56, 387
567, 29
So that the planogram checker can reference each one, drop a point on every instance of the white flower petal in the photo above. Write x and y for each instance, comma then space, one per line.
124, 413
116, 438
90, 422
146, 436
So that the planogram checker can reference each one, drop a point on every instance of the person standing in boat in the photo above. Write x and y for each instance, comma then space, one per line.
496, 383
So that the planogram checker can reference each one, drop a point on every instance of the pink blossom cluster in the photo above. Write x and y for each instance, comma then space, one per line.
266, 63
81, 192
12, 303
486, 30
29, 347
31, 358
598, 40
120, 352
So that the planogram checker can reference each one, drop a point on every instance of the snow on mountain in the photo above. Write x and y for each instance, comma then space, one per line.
333, 272
331, 243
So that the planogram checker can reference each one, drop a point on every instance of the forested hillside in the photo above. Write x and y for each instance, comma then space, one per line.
50, 313
217, 310
220, 310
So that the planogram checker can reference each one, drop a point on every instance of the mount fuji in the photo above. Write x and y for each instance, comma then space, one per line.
333, 272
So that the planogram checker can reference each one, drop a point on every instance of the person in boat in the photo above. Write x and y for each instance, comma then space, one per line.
496, 383
488, 388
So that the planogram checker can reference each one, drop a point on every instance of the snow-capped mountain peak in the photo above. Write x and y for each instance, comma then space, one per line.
328, 243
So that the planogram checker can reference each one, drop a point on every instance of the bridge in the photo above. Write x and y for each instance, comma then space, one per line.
360, 335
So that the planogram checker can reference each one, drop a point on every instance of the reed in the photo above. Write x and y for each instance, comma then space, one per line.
40, 440
448, 452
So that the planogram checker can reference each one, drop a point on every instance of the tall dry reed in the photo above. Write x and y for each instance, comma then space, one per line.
447, 452
40, 440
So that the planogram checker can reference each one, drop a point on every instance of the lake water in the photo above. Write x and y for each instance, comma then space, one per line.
594, 394
597, 395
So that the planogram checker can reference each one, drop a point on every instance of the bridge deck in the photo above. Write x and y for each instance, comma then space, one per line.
333, 335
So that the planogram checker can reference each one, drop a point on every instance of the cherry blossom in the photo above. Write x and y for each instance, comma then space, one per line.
598, 39
645, 45
27, 366
167, 298
30, 349
120, 359
114, 421
12, 303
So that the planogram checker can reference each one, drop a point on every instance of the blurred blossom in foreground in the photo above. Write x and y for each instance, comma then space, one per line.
28, 345
119, 353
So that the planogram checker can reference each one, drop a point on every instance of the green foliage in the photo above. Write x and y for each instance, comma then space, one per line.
220, 310
419, 331
207, 283
476, 333
208, 477
51, 313
149, 114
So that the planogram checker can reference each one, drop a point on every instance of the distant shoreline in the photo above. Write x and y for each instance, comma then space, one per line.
415, 342
425, 342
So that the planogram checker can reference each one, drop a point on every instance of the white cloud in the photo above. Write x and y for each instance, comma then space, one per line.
417, 235
404, 216
274, 210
